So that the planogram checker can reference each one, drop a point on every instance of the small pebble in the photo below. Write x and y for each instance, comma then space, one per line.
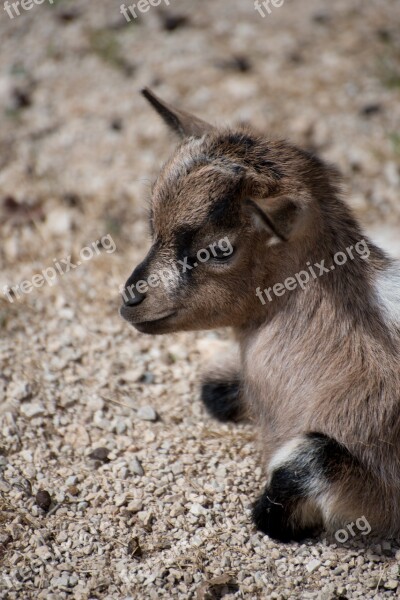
43, 500
43, 552
197, 509
313, 565
120, 500
391, 584
100, 454
147, 413
135, 466
73, 580
32, 410
147, 378
171, 22
134, 548
71, 480
135, 506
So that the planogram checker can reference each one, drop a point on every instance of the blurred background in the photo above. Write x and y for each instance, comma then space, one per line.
79, 149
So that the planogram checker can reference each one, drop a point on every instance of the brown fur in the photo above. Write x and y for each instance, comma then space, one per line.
323, 359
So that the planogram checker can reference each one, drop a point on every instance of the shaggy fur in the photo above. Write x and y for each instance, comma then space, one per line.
319, 368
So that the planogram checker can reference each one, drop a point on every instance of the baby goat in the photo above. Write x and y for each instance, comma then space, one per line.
318, 366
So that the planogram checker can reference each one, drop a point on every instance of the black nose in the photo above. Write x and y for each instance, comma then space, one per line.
131, 295
133, 298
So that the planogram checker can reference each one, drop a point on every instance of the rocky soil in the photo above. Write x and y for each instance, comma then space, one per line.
114, 483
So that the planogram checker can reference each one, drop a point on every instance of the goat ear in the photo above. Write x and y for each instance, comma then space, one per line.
281, 215
183, 123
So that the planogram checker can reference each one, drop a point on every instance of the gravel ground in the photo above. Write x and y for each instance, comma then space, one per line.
114, 483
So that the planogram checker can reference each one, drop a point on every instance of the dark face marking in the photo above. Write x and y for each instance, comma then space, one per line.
141, 272
224, 212
184, 239
185, 264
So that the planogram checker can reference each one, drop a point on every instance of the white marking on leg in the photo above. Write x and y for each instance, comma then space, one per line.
285, 453
387, 293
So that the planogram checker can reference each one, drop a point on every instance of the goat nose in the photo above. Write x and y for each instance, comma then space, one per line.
132, 297
133, 300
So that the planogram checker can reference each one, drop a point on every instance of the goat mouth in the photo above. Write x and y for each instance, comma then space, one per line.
154, 326
147, 326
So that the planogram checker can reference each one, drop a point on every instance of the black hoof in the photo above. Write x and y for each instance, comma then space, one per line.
273, 518
222, 400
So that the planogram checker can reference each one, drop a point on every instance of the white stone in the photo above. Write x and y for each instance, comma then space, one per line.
120, 499
71, 480
135, 466
197, 509
43, 552
32, 410
391, 584
146, 413
313, 565
135, 506
176, 510
95, 403
58, 221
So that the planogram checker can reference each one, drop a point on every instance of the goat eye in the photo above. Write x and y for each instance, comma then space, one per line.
222, 255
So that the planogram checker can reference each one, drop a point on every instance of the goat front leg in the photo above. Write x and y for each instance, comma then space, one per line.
221, 386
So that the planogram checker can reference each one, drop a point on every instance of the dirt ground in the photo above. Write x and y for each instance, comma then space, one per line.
148, 497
